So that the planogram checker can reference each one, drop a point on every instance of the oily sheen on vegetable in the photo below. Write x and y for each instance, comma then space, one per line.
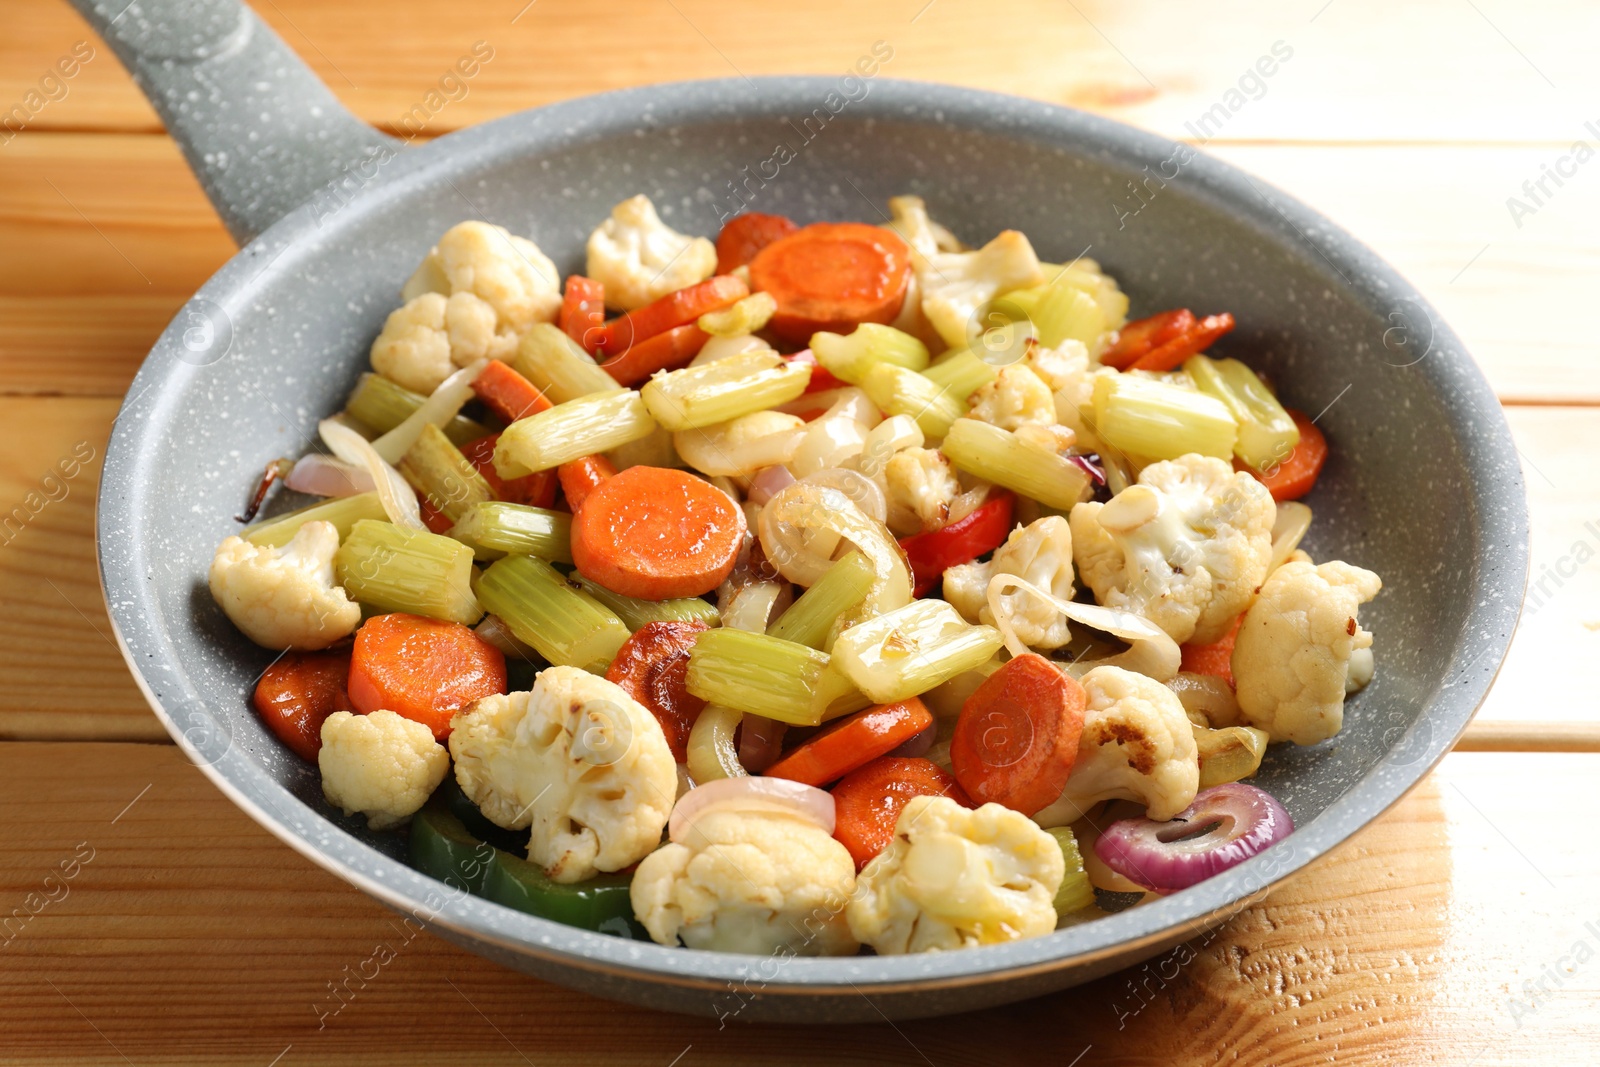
811, 585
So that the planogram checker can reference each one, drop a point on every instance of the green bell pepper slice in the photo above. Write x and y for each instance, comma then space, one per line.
602, 903
441, 847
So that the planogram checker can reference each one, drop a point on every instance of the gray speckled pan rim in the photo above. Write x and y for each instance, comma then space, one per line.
1501, 541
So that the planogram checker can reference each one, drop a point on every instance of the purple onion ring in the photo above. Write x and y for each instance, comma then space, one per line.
1226, 825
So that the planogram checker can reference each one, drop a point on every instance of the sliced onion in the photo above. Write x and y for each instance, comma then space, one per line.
1162, 857
494, 631
863, 492
399, 501
720, 348
1207, 696
967, 502
320, 474
919, 745
751, 607
760, 742
1290, 526
740, 447
1100, 875
442, 405
802, 508
775, 796
1153, 653
768, 482
827, 442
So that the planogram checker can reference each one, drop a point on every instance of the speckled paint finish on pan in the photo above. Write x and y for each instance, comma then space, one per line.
1423, 487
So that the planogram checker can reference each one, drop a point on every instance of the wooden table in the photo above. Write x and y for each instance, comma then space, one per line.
1461, 928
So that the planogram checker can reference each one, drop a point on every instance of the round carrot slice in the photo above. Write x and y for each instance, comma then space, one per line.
297, 692
868, 801
656, 533
841, 747
423, 669
747, 234
1214, 658
1017, 737
1295, 476
652, 667
832, 276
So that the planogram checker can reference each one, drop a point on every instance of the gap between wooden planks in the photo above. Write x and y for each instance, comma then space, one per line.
189, 933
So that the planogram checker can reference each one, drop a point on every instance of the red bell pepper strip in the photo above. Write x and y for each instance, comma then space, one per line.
583, 311
963, 541
1146, 335
1197, 338
670, 312
822, 378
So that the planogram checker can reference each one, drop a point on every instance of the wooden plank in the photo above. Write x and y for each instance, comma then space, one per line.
103, 237
1487, 736
58, 648
1491, 71
1408, 946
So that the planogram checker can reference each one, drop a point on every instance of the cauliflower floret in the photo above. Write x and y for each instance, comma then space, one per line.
1186, 547
1137, 744
639, 258
1070, 374
953, 878
577, 760
921, 485
380, 765
1301, 648
284, 597
749, 882
427, 338
509, 273
1017, 397
1041, 553
956, 284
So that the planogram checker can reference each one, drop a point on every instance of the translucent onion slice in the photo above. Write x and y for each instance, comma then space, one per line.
774, 796
801, 509
1153, 653
760, 742
752, 607
729, 448
850, 399
768, 482
322, 475
1293, 520
399, 501
862, 491
1226, 825
442, 405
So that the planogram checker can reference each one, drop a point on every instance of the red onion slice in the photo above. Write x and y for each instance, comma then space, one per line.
322, 475
918, 746
760, 742
776, 796
1226, 825
768, 482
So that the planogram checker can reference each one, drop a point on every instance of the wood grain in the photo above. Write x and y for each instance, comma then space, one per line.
1360, 70
1405, 947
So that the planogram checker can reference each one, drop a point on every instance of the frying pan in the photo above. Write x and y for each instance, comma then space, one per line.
1423, 485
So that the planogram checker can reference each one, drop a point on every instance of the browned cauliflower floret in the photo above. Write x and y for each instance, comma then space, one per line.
1016, 397
921, 485
1041, 552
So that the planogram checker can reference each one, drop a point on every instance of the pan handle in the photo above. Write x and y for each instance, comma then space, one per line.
258, 128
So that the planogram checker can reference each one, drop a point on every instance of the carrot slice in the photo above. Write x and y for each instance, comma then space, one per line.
1197, 338
655, 533
832, 276
297, 692
652, 667
747, 234
507, 393
1017, 737
868, 801
670, 312
841, 747
583, 310
1145, 335
538, 489
581, 477
423, 669
664, 351
1216, 658
1295, 476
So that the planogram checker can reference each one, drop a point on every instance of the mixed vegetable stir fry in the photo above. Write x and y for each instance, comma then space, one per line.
820, 587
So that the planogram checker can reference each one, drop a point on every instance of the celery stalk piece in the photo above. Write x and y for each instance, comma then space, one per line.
1015, 461
571, 430
762, 675
381, 405
634, 613
1161, 421
961, 373
1267, 435
1064, 312
743, 317
898, 391
912, 649
656, 450
809, 620
848, 357
343, 512
694, 397
445, 478
1086, 275
399, 569
516, 529
561, 369
713, 753
1075, 893
567, 627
